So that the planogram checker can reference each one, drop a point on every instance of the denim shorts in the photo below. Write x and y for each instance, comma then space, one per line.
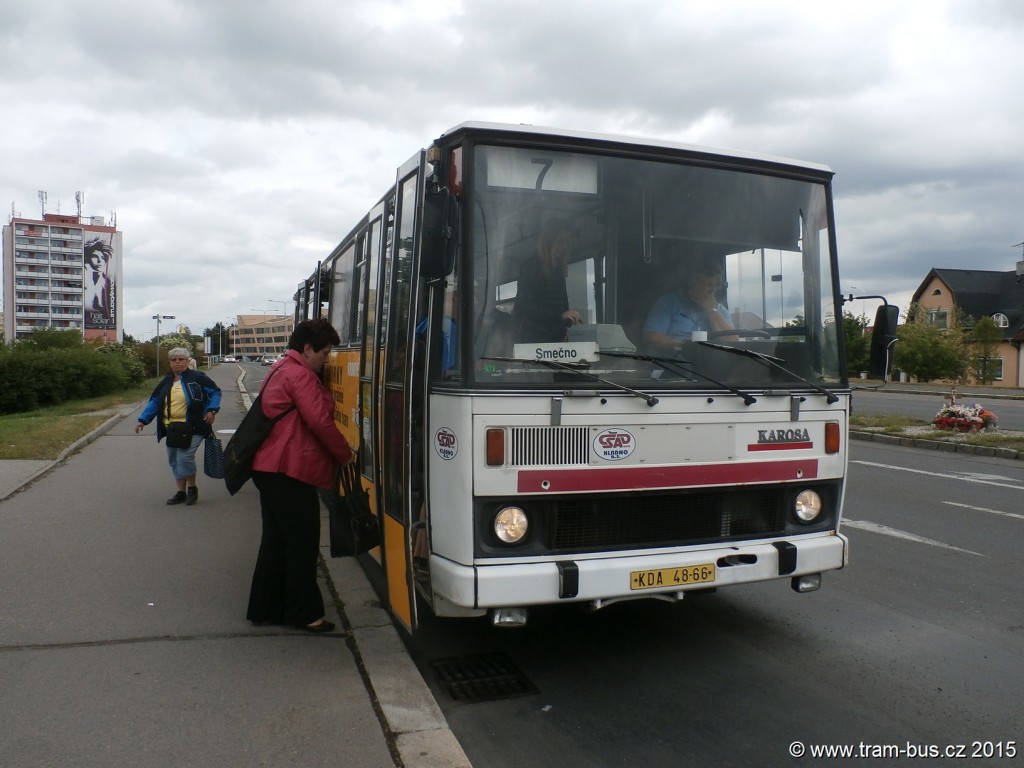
183, 460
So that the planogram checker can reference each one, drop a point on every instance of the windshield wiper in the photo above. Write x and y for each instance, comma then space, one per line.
673, 364
579, 368
774, 362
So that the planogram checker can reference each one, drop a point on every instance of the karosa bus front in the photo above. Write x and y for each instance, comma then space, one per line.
617, 500
513, 461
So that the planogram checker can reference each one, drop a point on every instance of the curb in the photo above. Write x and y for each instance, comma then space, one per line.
413, 722
938, 445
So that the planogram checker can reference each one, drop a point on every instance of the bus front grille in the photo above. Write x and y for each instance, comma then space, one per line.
621, 521
670, 520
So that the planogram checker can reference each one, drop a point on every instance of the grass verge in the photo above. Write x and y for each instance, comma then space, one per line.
45, 433
888, 424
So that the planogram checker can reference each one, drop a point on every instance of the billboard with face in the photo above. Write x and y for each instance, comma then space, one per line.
99, 281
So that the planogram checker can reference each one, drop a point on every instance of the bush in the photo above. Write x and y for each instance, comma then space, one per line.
128, 357
35, 375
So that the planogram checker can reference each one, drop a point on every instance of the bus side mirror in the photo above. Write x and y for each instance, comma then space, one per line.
440, 213
883, 341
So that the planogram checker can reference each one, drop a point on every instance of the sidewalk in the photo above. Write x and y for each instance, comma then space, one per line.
123, 639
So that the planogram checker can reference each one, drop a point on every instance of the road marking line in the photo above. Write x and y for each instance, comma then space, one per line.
985, 509
945, 475
885, 530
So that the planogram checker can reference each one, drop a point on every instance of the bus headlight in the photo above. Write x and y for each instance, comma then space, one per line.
807, 506
511, 525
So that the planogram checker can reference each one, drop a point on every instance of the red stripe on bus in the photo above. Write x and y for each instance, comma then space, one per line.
779, 446
641, 478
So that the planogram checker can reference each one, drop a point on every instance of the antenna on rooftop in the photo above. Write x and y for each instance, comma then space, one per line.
80, 202
1020, 264
42, 204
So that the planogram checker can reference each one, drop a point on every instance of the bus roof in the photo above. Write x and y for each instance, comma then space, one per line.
633, 141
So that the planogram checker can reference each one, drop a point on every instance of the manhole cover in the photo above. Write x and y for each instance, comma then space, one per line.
485, 677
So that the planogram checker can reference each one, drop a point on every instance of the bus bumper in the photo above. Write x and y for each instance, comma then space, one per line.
590, 578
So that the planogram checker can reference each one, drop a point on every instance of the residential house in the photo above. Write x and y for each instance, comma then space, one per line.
980, 293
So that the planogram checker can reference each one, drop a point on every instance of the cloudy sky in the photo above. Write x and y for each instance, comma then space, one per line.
237, 142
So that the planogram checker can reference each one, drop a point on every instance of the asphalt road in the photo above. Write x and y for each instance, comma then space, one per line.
916, 647
888, 402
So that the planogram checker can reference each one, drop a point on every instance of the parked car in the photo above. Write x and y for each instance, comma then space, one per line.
269, 360
230, 359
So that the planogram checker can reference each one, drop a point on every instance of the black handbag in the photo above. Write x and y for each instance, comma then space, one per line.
354, 527
213, 457
179, 434
241, 448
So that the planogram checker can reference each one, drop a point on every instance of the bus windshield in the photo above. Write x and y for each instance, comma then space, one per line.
646, 273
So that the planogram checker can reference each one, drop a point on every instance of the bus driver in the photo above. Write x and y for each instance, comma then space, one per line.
676, 315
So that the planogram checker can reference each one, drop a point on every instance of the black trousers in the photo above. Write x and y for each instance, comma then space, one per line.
284, 588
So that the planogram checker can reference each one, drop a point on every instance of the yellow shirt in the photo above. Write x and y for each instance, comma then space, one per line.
179, 407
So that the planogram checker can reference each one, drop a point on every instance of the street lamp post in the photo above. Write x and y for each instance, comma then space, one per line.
158, 318
284, 308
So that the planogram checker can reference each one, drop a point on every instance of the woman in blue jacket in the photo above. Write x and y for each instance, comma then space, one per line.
187, 396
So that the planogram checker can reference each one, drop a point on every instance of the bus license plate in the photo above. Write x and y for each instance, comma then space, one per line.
672, 577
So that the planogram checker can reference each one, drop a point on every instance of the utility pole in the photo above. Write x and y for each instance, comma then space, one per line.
158, 318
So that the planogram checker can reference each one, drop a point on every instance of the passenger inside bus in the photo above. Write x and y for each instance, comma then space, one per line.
541, 312
695, 307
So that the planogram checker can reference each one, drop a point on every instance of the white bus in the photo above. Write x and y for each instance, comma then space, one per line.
526, 436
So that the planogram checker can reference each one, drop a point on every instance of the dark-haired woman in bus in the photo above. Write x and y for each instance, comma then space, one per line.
541, 312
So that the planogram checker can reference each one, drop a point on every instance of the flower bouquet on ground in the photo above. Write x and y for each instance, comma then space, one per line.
965, 418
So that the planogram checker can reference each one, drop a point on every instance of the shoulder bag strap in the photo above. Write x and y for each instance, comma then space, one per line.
287, 410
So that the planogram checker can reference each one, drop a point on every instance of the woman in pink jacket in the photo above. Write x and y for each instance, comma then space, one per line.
298, 457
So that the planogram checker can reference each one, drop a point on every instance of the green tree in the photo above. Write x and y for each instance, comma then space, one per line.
129, 359
984, 343
55, 338
927, 352
220, 341
172, 340
855, 342
147, 352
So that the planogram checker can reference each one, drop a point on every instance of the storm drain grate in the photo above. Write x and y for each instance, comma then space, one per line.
486, 677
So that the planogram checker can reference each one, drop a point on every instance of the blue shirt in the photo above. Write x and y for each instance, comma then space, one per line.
448, 336
674, 317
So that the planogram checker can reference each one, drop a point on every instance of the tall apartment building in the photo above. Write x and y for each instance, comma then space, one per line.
62, 272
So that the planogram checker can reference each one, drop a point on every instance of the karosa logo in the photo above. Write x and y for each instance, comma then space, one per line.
783, 436
614, 444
